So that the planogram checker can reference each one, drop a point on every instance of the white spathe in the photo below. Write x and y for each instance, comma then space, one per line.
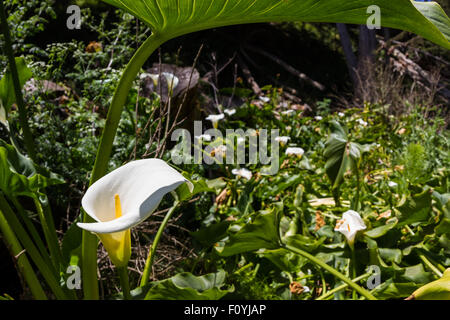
349, 225
140, 184
282, 140
242, 173
229, 112
172, 80
297, 151
215, 118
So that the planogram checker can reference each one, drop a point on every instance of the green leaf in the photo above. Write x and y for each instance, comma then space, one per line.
186, 286
340, 154
263, 232
172, 18
381, 230
7, 93
436, 290
71, 243
20, 176
443, 227
415, 208
199, 185
304, 243
417, 274
210, 235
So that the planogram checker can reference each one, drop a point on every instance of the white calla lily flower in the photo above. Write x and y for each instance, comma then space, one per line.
362, 122
204, 137
318, 118
392, 184
349, 225
172, 81
215, 118
124, 198
264, 99
229, 112
283, 140
154, 77
242, 173
296, 151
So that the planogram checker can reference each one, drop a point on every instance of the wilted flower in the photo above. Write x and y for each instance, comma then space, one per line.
242, 173
154, 77
349, 225
215, 118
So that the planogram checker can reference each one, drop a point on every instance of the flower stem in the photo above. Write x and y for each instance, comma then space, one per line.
333, 271
431, 266
89, 241
153, 247
28, 138
343, 286
353, 262
124, 282
19, 255
47, 269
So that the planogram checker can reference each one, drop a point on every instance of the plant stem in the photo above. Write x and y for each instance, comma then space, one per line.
89, 241
431, 266
343, 286
28, 138
49, 233
333, 271
47, 269
124, 282
22, 261
353, 262
152, 251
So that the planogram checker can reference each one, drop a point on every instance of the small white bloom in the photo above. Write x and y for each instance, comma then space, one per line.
306, 289
283, 140
318, 118
295, 151
229, 112
392, 184
204, 137
288, 112
288, 128
349, 225
240, 140
215, 118
264, 99
341, 114
172, 81
242, 173
219, 151
362, 122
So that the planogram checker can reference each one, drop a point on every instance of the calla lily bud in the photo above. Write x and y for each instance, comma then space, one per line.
436, 290
349, 225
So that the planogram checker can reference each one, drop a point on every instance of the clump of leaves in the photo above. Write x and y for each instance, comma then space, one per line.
416, 164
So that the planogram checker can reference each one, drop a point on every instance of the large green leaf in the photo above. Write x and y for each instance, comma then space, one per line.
415, 208
20, 176
263, 232
172, 18
186, 286
7, 93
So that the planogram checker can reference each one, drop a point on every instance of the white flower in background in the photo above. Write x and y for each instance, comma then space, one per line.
283, 140
220, 151
124, 198
240, 140
296, 151
229, 112
318, 118
215, 118
362, 122
341, 114
349, 225
306, 289
204, 137
288, 112
154, 77
172, 81
392, 184
264, 99
288, 128
242, 173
